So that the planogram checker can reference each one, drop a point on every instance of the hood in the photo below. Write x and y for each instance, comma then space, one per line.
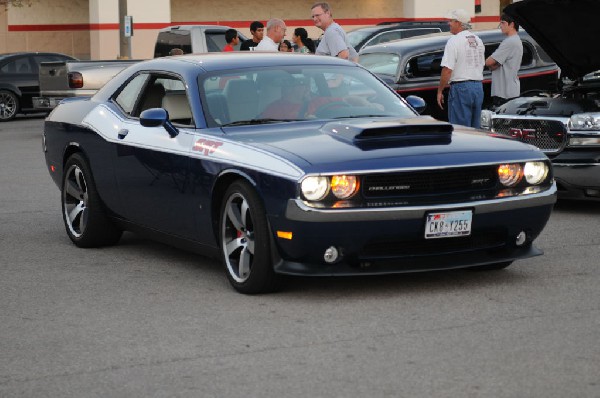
567, 30
379, 143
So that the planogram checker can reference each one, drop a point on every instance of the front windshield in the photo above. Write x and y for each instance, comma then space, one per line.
356, 36
383, 63
284, 94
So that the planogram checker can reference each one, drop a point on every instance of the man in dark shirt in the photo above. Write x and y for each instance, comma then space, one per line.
257, 29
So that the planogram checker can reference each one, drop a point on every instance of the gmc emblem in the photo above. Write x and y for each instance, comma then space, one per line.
522, 134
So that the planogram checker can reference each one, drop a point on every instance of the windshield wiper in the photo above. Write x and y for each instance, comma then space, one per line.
359, 116
258, 121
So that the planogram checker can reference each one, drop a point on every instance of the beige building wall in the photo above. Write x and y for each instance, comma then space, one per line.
89, 28
57, 26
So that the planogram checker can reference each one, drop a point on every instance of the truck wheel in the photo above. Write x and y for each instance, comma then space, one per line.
9, 105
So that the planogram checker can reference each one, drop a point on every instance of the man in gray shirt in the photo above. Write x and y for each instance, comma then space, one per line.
505, 63
334, 41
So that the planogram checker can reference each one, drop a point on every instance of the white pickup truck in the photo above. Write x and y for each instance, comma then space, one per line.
59, 80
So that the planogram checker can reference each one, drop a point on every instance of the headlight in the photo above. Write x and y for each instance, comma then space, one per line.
486, 119
535, 172
585, 121
344, 187
315, 187
510, 174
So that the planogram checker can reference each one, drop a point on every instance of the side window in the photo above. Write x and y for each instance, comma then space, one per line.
490, 48
387, 36
426, 65
174, 100
167, 41
215, 41
418, 32
126, 99
19, 65
527, 55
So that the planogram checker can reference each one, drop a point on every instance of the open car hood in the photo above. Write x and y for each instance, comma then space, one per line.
568, 30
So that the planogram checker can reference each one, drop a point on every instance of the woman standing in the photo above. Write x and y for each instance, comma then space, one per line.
303, 42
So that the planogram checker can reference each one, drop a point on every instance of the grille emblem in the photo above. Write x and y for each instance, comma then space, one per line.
522, 134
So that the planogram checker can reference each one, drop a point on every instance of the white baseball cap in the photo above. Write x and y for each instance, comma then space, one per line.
459, 15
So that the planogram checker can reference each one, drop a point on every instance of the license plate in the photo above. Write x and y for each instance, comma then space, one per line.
448, 225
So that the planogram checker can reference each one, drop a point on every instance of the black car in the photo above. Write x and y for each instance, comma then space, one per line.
413, 66
19, 81
564, 124
384, 32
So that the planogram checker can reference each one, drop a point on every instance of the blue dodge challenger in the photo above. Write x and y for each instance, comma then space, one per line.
291, 164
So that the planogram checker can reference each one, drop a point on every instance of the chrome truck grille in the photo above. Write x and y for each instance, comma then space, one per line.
548, 135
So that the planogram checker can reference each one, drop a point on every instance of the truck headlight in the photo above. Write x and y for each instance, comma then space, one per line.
585, 121
535, 172
486, 119
315, 188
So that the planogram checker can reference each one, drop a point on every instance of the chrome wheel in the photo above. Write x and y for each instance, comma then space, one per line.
9, 104
238, 237
245, 240
84, 214
75, 201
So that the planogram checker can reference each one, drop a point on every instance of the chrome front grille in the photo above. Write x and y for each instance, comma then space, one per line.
548, 135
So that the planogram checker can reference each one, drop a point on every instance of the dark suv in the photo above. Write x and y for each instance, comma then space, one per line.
388, 31
565, 124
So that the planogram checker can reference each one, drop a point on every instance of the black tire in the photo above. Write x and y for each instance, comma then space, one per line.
9, 105
492, 267
244, 241
83, 212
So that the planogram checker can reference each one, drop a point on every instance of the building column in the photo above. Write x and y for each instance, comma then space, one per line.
104, 27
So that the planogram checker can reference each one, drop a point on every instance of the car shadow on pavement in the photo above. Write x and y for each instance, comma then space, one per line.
578, 206
163, 258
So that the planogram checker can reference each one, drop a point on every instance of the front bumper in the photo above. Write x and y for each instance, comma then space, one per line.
391, 240
577, 174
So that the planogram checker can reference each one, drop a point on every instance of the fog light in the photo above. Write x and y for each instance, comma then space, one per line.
331, 255
521, 238
592, 192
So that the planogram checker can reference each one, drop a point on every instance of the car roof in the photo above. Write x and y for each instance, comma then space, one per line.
432, 42
242, 59
191, 27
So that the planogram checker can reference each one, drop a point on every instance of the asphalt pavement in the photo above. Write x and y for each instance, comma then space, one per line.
142, 319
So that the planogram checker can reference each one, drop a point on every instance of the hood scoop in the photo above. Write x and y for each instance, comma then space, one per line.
391, 133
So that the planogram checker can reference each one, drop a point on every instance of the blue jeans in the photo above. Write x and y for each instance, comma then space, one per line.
464, 103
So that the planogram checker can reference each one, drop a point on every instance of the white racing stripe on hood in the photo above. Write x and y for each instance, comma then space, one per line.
189, 142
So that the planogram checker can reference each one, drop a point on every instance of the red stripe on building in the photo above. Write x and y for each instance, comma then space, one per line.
233, 24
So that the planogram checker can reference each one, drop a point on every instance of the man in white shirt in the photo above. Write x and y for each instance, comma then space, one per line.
275, 33
462, 67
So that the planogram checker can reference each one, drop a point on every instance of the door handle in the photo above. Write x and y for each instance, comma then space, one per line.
122, 133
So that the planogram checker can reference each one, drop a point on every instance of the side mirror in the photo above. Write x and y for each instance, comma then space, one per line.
417, 103
155, 117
